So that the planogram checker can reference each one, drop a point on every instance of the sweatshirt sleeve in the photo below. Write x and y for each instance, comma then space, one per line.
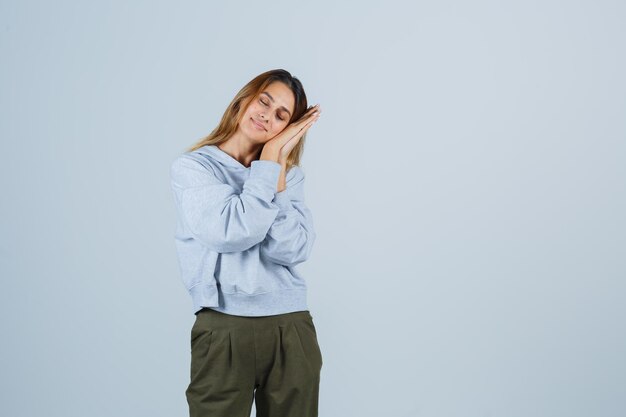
290, 238
215, 213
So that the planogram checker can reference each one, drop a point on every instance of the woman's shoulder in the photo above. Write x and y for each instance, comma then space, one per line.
190, 160
191, 169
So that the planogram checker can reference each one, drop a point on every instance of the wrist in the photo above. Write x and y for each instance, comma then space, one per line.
268, 153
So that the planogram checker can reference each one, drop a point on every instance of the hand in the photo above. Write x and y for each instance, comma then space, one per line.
289, 137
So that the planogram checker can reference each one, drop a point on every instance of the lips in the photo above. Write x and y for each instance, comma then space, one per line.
259, 125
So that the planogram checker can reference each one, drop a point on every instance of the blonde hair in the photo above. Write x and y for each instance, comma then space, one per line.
236, 109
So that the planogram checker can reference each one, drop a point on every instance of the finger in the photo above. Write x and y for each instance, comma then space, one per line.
303, 130
311, 111
309, 124
296, 127
315, 110
307, 118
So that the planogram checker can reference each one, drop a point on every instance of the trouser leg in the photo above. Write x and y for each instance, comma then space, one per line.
289, 363
222, 367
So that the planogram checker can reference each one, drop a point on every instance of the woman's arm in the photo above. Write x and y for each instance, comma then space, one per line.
282, 178
290, 238
215, 213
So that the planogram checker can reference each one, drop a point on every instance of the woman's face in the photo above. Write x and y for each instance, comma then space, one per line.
269, 113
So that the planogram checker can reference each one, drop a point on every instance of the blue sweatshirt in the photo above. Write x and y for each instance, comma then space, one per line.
238, 240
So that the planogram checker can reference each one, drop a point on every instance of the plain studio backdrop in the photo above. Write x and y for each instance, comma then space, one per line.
467, 179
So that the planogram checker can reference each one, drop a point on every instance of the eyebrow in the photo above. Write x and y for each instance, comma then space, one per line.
272, 98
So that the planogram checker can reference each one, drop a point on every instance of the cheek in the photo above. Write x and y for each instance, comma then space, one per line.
280, 126
254, 107
276, 129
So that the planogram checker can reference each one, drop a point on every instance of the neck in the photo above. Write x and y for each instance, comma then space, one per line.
241, 148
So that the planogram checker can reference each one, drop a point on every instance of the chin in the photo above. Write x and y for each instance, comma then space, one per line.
258, 137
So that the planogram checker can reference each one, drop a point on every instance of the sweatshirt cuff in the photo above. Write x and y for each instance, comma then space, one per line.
265, 165
265, 173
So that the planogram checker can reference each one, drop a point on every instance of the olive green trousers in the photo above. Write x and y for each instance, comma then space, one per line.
274, 361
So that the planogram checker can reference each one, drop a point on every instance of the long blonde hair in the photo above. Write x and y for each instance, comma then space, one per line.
235, 110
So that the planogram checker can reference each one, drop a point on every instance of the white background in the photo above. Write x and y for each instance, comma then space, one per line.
467, 180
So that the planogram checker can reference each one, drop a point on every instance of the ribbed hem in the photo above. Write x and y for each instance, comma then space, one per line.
204, 295
284, 300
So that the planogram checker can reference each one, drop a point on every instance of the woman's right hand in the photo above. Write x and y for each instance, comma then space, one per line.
281, 145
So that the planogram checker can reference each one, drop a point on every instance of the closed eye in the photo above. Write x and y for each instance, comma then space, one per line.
266, 105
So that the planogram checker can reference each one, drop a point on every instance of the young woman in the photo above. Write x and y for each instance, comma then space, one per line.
242, 228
